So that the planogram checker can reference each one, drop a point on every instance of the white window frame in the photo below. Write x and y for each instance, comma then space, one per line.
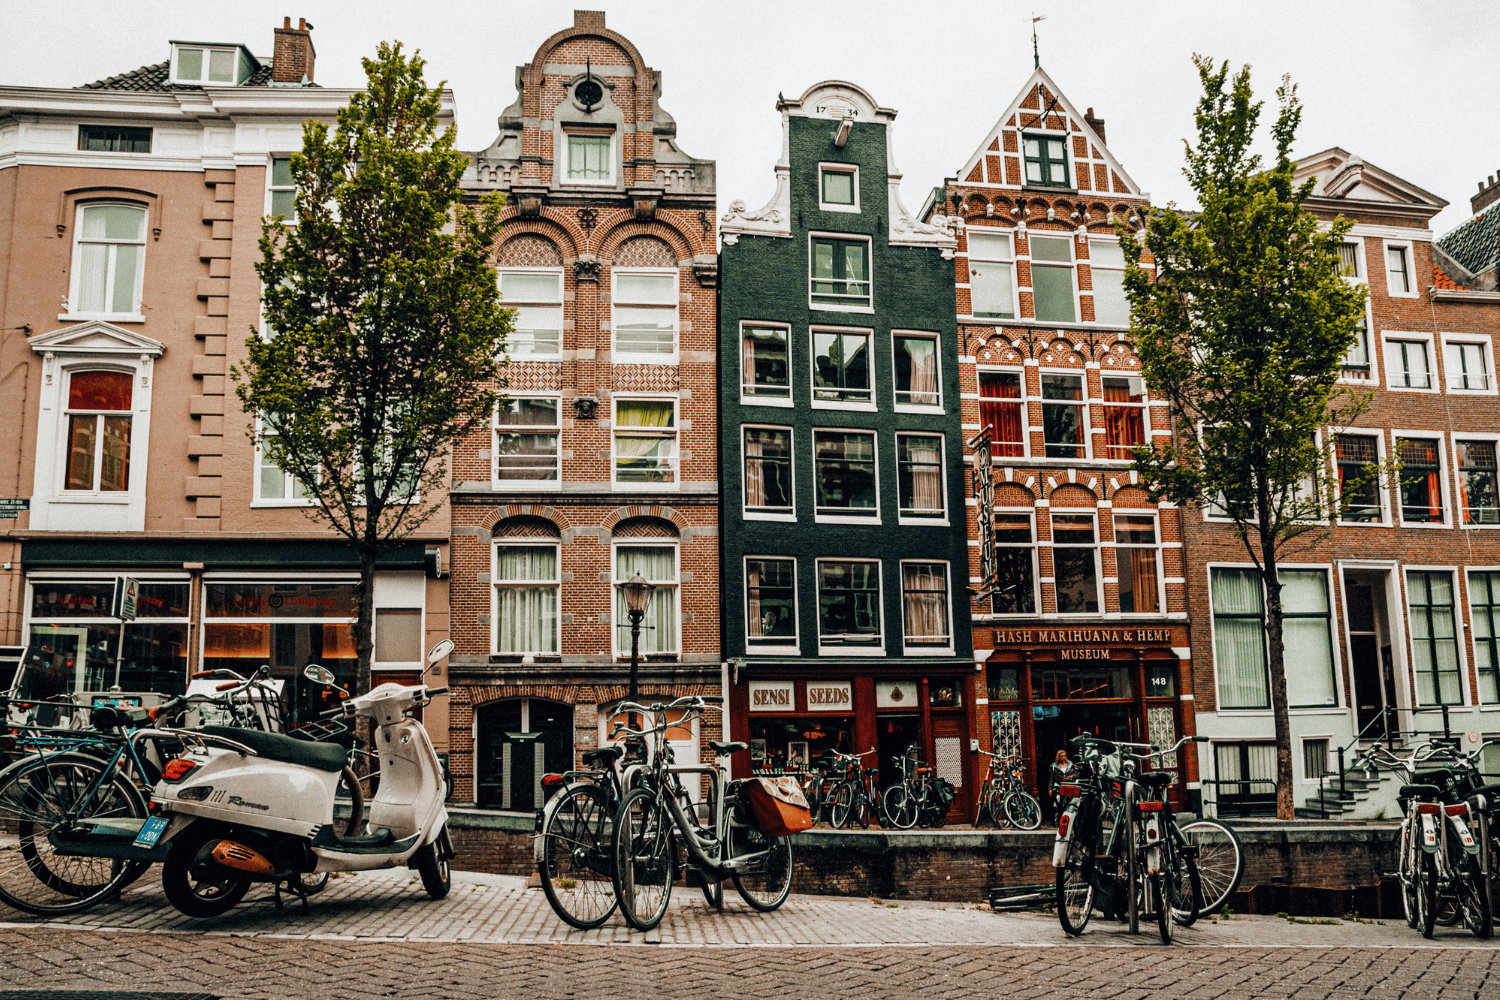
1445, 473
1382, 487
203, 80
1410, 259
1010, 262
758, 514
272, 187
1072, 266
869, 405
1460, 580
1092, 513
676, 437
1101, 453
928, 649
1487, 354
567, 179
1361, 265
937, 361
1361, 277
289, 481
933, 520
1306, 738
838, 168
1114, 546
65, 423
874, 517
1023, 400
789, 649
1434, 373
843, 307
497, 428
1094, 270
1036, 567
1044, 134
111, 272
620, 640
619, 356
555, 272
1373, 346
1471, 632
878, 647
496, 584
1085, 404
752, 398
1491, 438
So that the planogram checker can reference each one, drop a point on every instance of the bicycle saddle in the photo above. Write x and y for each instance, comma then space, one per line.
1491, 792
1154, 779
603, 755
1419, 791
722, 749
108, 717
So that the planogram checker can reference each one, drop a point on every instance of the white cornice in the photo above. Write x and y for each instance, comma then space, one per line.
95, 337
1464, 295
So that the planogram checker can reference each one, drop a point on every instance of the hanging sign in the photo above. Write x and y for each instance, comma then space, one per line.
898, 694
829, 696
127, 597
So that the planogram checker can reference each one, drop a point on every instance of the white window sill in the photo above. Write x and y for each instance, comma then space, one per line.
1479, 527
618, 357
1372, 524
840, 308
554, 356
1439, 525
870, 651
524, 485
874, 519
924, 522
1472, 392
86, 498
785, 401
927, 651
672, 487
264, 504
752, 515
1403, 295
575, 182
1411, 388
910, 408
753, 650
848, 404
106, 317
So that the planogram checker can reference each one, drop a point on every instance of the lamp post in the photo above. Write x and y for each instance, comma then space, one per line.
637, 597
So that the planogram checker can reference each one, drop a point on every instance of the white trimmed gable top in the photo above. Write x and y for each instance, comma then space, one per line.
96, 337
998, 156
1341, 174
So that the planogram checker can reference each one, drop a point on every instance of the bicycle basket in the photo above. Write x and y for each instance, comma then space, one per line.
778, 804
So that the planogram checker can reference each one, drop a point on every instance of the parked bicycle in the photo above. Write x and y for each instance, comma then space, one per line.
856, 799
919, 797
1444, 851
1003, 795
739, 841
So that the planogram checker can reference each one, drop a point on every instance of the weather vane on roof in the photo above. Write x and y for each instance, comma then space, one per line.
1036, 59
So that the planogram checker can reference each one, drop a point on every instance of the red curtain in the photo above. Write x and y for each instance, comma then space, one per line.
1001, 415
1124, 426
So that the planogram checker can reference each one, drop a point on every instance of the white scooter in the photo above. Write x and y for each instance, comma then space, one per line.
241, 806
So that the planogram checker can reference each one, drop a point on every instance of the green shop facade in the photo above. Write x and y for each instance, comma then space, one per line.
845, 559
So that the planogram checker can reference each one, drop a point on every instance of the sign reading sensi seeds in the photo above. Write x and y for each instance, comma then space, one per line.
829, 696
772, 696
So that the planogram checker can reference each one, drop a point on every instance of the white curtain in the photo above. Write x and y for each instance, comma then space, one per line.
926, 475
924, 387
1309, 651
926, 604
525, 617
1239, 643
658, 564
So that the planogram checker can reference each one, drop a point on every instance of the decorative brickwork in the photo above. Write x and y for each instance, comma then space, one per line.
645, 378
645, 251
527, 250
534, 376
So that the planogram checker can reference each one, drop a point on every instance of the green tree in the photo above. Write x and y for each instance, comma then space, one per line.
1242, 330
385, 330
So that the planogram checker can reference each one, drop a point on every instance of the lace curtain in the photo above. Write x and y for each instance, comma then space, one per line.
657, 564
926, 605
525, 617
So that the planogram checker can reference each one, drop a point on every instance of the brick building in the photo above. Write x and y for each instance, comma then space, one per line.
1080, 624
842, 457
1397, 606
603, 462
130, 210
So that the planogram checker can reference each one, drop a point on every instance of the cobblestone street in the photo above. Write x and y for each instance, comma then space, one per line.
378, 935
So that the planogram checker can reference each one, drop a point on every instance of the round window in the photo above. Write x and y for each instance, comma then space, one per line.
588, 92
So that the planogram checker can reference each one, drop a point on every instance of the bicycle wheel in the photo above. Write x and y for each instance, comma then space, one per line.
574, 859
1184, 888
36, 800
1134, 875
811, 790
1075, 891
900, 807
1023, 810
1474, 898
1405, 871
864, 809
644, 861
765, 880
1425, 888
1221, 862
841, 805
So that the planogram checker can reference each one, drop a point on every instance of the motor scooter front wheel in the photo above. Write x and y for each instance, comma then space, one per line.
437, 876
193, 882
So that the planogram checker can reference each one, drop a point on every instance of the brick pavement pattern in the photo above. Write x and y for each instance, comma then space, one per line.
378, 935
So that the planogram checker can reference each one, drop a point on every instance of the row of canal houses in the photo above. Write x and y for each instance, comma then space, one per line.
798, 422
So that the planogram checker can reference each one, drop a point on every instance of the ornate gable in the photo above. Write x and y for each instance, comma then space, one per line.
96, 337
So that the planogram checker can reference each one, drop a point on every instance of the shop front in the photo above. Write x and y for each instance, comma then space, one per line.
790, 720
1048, 685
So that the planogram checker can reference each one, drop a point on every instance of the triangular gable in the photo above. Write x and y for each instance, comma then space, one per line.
95, 337
1020, 112
1342, 174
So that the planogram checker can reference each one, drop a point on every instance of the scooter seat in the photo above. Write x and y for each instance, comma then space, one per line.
273, 746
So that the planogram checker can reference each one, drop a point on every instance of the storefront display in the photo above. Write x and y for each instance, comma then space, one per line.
76, 646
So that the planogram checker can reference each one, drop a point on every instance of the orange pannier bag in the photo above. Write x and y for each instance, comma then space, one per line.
779, 806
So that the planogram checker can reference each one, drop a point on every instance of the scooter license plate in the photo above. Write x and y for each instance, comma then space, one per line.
151, 832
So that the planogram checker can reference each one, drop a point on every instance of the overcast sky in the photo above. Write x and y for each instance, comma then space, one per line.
1409, 85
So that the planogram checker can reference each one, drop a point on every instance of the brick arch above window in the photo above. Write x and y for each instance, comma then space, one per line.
1072, 495
1013, 495
645, 251
1134, 497
529, 250
525, 526
645, 527
541, 512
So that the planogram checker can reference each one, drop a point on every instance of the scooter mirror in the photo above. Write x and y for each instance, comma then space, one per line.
318, 674
439, 651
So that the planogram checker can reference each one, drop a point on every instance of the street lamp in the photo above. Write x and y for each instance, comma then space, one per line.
637, 596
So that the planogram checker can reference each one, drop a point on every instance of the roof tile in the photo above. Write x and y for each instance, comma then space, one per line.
1476, 243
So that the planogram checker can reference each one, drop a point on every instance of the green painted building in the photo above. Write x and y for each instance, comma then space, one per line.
843, 528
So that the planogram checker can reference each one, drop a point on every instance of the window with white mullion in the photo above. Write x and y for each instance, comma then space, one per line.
1053, 288
1107, 270
992, 274
526, 583
108, 260
644, 313
537, 297
527, 435
658, 564
273, 483
1466, 368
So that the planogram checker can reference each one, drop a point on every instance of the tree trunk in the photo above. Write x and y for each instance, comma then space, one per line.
364, 623
1276, 663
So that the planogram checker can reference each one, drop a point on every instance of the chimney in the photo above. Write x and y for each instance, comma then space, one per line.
593, 20
1097, 124
294, 56
1489, 193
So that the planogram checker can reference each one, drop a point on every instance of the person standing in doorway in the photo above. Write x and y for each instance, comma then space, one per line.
1063, 770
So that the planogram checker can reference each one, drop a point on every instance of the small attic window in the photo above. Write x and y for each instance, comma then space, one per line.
203, 64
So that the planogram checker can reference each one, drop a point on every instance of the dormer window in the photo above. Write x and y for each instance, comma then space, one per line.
590, 157
1046, 160
202, 64
838, 187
